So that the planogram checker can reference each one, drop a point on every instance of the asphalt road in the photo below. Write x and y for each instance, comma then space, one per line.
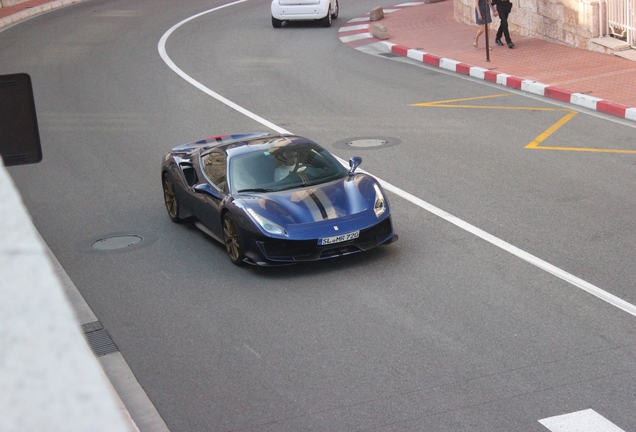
440, 331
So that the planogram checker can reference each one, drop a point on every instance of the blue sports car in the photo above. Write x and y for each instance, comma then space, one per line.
275, 199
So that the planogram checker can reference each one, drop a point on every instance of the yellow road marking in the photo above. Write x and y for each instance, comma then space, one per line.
490, 107
583, 149
463, 99
535, 144
549, 131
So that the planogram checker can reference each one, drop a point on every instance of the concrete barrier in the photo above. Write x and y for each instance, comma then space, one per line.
49, 379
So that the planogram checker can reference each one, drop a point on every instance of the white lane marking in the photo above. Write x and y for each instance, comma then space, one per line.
353, 28
360, 19
355, 37
582, 421
204, 89
537, 262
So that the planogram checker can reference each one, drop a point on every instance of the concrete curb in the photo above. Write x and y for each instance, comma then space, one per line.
356, 33
132, 400
36, 10
529, 86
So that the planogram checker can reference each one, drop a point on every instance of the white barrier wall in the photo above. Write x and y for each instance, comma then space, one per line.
49, 378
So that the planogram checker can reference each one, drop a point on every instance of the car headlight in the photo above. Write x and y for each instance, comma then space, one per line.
379, 207
266, 224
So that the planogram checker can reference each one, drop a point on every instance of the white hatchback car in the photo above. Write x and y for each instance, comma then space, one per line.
297, 10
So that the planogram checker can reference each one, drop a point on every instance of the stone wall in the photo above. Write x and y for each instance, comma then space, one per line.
572, 22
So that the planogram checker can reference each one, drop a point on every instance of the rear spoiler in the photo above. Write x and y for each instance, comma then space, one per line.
218, 139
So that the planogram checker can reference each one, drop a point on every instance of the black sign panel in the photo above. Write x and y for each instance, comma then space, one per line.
19, 133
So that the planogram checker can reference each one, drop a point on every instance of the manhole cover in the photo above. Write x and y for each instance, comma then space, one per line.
366, 143
116, 242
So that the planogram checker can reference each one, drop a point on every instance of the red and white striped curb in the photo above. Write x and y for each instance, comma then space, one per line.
355, 33
33, 11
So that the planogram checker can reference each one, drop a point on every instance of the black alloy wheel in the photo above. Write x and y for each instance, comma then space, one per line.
231, 240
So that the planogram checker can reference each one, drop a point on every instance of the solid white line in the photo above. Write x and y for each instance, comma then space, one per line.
537, 262
582, 421
204, 89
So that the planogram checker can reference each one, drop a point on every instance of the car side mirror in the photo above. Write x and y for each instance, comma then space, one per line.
206, 189
354, 163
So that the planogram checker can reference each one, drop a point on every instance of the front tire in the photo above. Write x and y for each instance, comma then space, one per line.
336, 11
232, 240
276, 23
170, 198
326, 21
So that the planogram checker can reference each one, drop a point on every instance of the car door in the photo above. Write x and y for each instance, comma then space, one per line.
213, 190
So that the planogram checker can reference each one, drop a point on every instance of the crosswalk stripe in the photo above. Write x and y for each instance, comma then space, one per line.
354, 28
581, 421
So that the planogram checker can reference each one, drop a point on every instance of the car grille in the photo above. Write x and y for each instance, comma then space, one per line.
301, 250
288, 248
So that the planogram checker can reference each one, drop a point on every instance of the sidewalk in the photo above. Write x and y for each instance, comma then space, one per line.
10, 15
429, 33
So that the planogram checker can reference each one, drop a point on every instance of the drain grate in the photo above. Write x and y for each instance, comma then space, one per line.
91, 327
98, 339
389, 55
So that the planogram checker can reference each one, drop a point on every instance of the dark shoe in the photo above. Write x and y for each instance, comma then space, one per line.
510, 45
498, 42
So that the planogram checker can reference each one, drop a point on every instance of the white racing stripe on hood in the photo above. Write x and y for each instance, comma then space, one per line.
317, 202
326, 203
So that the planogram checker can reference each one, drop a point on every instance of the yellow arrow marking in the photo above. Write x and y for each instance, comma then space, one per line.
538, 140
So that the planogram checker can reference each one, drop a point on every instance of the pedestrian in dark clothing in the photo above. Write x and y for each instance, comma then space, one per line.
503, 8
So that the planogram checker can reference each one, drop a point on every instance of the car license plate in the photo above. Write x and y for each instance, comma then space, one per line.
339, 238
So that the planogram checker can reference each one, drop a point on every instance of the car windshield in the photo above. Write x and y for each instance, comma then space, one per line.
284, 168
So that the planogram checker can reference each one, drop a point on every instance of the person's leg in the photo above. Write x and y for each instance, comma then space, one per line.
480, 30
504, 28
499, 33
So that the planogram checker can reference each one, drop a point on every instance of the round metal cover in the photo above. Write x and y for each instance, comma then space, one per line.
367, 143
116, 242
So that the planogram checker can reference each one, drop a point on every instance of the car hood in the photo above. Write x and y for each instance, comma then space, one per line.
324, 203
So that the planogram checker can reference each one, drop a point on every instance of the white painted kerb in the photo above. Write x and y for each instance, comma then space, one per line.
49, 378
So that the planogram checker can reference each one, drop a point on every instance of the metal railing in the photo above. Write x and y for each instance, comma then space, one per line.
621, 20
